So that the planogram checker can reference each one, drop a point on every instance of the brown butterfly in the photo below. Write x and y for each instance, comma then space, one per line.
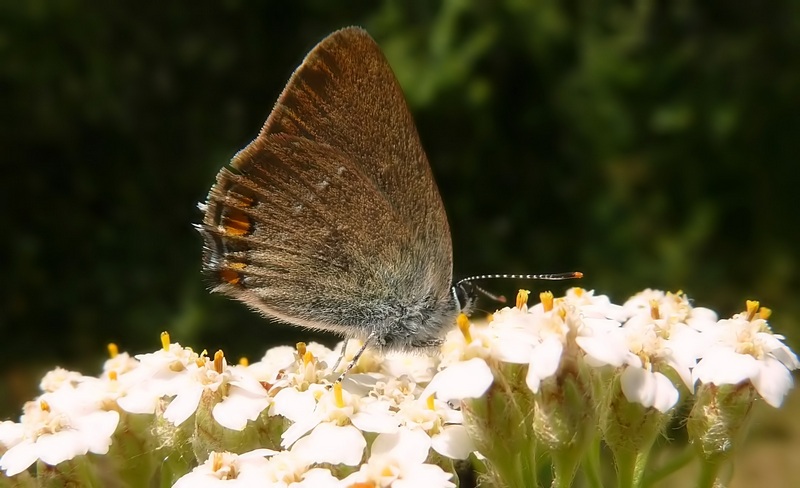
330, 219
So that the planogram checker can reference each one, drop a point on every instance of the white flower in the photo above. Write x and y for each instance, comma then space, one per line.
398, 460
419, 368
59, 377
674, 307
659, 338
648, 388
245, 400
161, 373
289, 469
664, 342
244, 397
331, 443
225, 469
466, 379
589, 305
55, 428
441, 423
274, 363
743, 348
336, 413
495, 340
561, 329
118, 362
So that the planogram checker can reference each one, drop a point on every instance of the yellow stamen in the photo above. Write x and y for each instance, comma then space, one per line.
546, 297
218, 357
308, 357
655, 313
113, 350
301, 348
370, 484
463, 326
522, 298
430, 402
490, 318
243, 361
44, 406
216, 461
112, 375
578, 291
200, 361
165, 340
764, 313
337, 394
562, 313
752, 309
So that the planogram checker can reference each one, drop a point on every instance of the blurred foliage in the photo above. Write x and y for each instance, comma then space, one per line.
645, 143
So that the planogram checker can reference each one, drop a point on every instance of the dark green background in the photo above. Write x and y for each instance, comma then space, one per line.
645, 143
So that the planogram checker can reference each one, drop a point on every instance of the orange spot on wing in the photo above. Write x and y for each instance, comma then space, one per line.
230, 276
236, 222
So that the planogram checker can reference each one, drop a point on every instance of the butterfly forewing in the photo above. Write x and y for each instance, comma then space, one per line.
331, 218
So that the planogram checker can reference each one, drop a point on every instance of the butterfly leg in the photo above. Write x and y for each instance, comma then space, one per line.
341, 355
353, 362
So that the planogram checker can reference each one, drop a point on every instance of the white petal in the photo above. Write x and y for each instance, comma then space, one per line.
60, 447
19, 458
466, 379
648, 389
375, 422
513, 345
544, 362
667, 395
238, 407
406, 445
139, 401
317, 478
681, 365
604, 348
722, 366
184, 405
773, 381
333, 444
298, 430
11, 433
453, 442
293, 404
427, 475
97, 428
778, 349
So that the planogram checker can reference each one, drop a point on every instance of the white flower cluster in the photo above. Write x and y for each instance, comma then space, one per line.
396, 420
652, 332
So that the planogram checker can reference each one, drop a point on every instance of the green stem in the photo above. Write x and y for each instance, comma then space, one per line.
672, 466
591, 465
174, 466
626, 466
565, 463
709, 472
641, 467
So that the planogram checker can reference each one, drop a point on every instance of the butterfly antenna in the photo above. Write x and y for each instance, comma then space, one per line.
488, 294
547, 276
465, 290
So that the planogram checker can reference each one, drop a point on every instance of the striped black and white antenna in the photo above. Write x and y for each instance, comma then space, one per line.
465, 290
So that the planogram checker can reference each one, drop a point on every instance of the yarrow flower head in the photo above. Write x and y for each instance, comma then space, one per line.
55, 428
546, 381
744, 360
